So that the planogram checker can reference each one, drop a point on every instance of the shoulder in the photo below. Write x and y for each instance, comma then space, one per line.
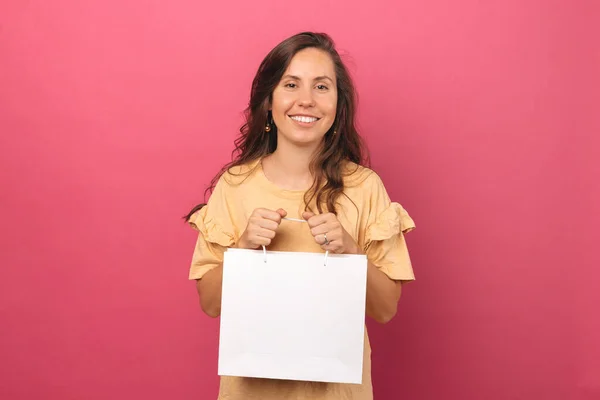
229, 188
222, 216
237, 176
360, 177
385, 217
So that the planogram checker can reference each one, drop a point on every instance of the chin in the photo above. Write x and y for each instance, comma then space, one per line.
304, 141
303, 137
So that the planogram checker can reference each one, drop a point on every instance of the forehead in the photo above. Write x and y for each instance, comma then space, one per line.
309, 63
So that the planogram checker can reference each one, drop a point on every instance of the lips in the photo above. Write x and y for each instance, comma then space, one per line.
304, 119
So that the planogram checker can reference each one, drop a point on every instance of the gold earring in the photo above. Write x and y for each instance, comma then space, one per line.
268, 128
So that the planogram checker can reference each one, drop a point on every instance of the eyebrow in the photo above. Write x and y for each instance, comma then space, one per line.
318, 78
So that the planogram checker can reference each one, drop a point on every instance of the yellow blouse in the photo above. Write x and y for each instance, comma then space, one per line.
376, 223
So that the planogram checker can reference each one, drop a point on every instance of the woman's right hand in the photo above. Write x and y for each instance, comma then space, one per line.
261, 228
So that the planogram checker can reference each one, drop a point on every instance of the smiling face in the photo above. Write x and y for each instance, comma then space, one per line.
305, 100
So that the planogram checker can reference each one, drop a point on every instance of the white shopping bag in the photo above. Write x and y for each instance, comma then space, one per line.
289, 315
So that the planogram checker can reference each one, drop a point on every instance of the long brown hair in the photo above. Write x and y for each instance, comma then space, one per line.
341, 143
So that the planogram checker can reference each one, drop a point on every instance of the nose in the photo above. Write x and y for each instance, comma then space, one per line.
305, 97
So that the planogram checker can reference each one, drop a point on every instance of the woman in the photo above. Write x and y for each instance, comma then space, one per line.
300, 156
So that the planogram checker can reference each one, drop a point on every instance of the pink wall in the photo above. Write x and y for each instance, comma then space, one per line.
482, 118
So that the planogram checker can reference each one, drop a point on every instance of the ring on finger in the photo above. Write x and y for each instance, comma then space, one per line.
326, 241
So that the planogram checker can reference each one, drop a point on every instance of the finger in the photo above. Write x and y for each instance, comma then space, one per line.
254, 241
328, 228
333, 229
261, 241
327, 239
282, 212
323, 240
320, 219
268, 214
257, 222
307, 215
332, 248
267, 224
265, 233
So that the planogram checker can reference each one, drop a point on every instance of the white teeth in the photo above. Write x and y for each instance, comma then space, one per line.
306, 120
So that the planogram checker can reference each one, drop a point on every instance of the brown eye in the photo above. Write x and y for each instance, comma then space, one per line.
290, 85
322, 87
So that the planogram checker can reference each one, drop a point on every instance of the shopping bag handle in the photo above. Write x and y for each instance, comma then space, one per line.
296, 220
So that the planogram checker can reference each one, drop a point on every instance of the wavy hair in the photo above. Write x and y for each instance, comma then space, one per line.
341, 143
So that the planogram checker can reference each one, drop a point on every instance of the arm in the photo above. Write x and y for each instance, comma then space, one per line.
260, 231
383, 295
209, 291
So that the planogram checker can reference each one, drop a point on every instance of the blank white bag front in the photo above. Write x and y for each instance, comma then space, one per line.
292, 317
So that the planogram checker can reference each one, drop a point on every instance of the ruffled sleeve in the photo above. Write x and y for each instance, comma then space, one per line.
390, 222
384, 243
211, 227
215, 233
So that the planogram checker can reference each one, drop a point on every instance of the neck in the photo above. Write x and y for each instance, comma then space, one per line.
288, 166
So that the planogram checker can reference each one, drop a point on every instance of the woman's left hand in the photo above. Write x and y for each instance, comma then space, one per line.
330, 234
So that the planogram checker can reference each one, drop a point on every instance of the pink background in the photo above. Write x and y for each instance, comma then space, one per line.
482, 119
